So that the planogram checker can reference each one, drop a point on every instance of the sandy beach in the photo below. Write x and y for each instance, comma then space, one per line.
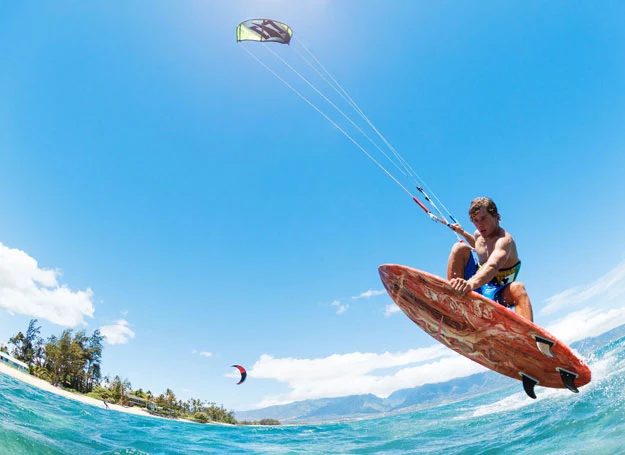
41, 384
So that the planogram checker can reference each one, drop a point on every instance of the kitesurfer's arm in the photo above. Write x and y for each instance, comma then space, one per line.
468, 237
495, 262
486, 271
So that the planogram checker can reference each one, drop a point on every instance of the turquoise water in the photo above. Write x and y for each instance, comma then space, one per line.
503, 422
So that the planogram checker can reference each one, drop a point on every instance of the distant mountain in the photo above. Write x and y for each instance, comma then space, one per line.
432, 394
361, 406
428, 395
321, 410
588, 345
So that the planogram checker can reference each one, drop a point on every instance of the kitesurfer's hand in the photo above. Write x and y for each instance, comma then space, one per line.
456, 228
467, 235
460, 285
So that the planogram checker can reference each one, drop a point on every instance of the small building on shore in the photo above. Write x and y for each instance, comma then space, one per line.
134, 400
13, 362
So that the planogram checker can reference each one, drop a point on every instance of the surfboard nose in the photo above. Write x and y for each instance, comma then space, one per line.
389, 270
385, 271
389, 276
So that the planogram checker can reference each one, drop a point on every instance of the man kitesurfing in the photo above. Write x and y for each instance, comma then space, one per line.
482, 327
494, 272
494, 276
478, 327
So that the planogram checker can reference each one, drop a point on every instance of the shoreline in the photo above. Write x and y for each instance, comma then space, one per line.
44, 385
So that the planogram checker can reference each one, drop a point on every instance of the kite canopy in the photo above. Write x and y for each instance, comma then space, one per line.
242, 371
264, 30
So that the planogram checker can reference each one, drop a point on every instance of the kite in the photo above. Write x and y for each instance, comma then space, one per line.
243, 373
264, 30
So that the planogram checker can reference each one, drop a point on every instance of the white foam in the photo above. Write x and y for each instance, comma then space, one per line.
603, 369
513, 402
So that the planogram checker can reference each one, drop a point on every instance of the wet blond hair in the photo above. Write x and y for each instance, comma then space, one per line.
483, 202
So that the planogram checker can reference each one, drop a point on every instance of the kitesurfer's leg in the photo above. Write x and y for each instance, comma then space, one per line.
458, 259
516, 295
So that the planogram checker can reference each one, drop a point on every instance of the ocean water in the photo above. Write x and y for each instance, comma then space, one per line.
502, 422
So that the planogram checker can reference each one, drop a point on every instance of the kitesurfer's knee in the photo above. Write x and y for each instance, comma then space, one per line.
460, 250
458, 259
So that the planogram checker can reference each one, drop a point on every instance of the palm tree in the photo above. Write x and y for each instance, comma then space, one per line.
170, 398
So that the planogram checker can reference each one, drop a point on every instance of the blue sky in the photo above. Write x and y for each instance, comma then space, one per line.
159, 184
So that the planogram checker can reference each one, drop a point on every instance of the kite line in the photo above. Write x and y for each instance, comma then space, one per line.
269, 31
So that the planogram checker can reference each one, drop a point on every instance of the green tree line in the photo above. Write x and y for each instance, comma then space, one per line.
73, 361
70, 360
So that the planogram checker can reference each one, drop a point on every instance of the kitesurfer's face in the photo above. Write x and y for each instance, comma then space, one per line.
484, 222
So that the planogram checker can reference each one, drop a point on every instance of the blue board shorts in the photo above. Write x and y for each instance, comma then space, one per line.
492, 289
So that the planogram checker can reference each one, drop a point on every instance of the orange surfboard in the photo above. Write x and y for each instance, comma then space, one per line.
484, 331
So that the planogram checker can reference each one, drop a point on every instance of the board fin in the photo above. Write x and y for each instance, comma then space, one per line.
528, 385
568, 378
544, 346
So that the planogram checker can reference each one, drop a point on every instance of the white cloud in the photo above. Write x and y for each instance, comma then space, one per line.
368, 294
118, 333
341, 308
29, 290
604, 309
587, 322
607, 289
355, 373
391, 309
202, 353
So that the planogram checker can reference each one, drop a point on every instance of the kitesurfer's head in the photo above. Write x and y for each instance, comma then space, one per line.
486, 203
484, 216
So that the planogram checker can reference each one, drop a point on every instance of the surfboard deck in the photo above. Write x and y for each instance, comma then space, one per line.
484, 331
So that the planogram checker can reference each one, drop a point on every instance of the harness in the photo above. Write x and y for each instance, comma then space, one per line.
503, 277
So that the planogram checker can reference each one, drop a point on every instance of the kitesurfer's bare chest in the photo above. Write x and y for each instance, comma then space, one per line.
485, 247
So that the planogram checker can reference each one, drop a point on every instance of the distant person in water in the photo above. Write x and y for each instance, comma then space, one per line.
499, 264
105, 404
